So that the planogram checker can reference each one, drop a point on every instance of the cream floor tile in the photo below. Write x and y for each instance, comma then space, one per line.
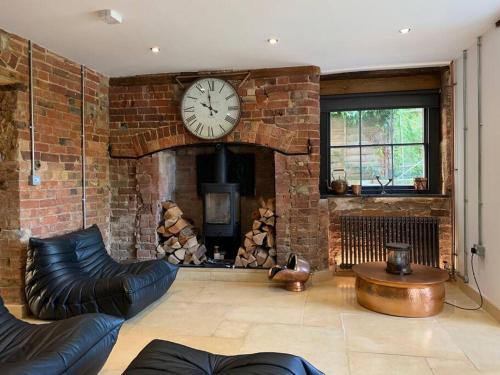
403, 336
320, 324
232, 329
322, 315
246, 294
385, 364
266, 314
125, 350
480, 343
182, 318
451, 367
323, 347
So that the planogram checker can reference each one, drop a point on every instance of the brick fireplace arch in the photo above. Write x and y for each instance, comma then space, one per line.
280, 111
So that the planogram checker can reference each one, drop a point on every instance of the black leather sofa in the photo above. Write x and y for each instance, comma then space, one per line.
79, 345
163, 357
73, 274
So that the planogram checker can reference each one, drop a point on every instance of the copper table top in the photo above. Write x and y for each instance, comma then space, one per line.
421, 275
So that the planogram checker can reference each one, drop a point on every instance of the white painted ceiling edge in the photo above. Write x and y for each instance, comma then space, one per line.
194, 35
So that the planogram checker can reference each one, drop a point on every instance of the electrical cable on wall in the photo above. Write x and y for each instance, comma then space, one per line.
477, 285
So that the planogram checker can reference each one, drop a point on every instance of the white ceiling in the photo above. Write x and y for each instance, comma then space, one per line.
337, 35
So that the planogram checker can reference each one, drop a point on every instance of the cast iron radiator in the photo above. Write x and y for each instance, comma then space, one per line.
363, 238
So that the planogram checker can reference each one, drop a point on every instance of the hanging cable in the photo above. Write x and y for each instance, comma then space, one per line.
478, 289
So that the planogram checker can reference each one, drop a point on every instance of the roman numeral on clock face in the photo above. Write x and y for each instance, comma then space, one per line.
210, 132
189, 109
191, 120
211, 85
231, 120
233, 108
199, 128
200, 88
229, 96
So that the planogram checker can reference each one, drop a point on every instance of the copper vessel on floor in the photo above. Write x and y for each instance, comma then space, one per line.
295, 274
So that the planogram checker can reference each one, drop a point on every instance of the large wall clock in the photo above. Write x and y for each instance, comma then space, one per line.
210, 108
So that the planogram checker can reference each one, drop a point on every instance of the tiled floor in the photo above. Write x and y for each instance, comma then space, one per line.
324, 324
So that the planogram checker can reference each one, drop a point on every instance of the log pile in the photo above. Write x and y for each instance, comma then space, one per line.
258, 249
180, 240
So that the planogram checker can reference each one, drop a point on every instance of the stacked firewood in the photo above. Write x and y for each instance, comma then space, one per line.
258, 248
180, 241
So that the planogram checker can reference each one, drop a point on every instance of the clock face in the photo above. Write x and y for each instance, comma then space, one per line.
210, 108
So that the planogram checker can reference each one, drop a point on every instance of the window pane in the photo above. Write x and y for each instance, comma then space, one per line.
376, 126
409, 162
376, 161
344, 128
348, 160
408, 125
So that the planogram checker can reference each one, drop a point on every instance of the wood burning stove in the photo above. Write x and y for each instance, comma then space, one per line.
221, 207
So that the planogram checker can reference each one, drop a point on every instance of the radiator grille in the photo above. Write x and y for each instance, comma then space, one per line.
363, 238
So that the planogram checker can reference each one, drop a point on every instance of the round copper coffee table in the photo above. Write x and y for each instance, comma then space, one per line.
417, 295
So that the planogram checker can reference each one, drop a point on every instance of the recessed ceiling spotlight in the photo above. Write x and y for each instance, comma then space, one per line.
405, 30
272, 41
155, 49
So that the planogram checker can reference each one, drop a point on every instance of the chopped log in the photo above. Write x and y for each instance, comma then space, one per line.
160, 250
178, 226
237, 262
180, 254
173, 242
270, 221
249, 244
244, 262
186, 234
173, 259
187, 258
200, 252
191, 242
261, 256
249, 235
161, 229
265, 228
272, 252
195, 260
262, 211
256, 224
168, 204
268, 213
269, 262
251, 259
170, 222
173, 211
259, 238
253, 264
241, 252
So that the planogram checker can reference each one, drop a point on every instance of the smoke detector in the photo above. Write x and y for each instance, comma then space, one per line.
110, 16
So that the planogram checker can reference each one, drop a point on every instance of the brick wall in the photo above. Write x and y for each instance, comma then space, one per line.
280, 110
55, 206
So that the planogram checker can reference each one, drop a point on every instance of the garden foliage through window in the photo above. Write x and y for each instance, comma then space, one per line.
389, 143
393, 135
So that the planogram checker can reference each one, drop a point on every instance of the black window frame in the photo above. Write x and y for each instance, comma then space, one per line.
430, 100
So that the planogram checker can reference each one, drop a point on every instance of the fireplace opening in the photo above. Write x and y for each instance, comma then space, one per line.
221, 210
219, 189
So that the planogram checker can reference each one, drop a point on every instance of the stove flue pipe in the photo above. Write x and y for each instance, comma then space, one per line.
221, 163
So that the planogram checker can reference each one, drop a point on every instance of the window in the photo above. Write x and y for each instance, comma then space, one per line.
392, 136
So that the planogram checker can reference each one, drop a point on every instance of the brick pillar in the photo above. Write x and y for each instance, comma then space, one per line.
12, 239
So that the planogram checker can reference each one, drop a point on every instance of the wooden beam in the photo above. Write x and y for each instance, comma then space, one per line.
166, 78
383, 82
